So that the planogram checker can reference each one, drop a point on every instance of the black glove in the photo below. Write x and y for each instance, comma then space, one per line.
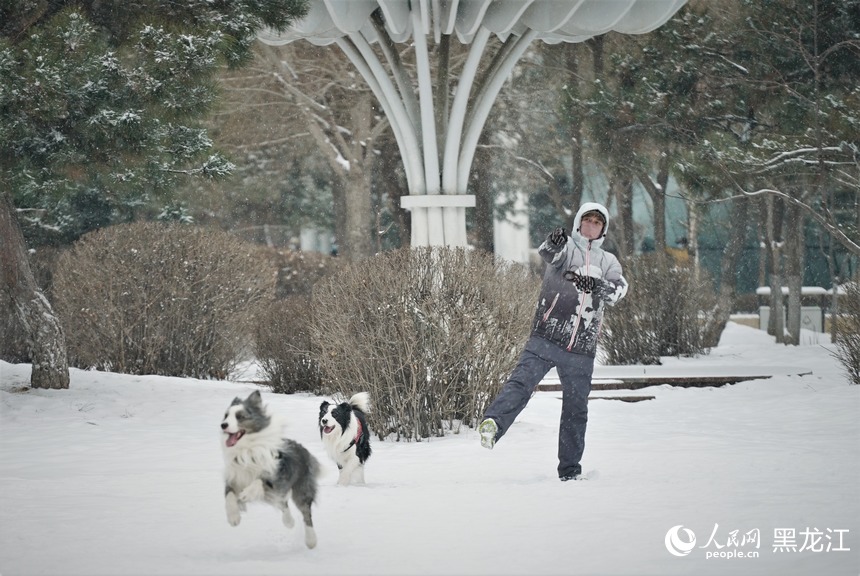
557, 238
583, 283
600, 290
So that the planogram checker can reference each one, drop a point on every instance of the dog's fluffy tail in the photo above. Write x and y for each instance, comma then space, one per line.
361, 401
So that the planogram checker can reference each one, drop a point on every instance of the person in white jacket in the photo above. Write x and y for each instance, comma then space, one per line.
580, 281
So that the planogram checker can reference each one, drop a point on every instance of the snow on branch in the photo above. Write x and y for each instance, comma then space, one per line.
826, 220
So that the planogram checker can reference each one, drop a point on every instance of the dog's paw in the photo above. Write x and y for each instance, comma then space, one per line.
232, 506
310, 537
254, 491
344, 477
288, 519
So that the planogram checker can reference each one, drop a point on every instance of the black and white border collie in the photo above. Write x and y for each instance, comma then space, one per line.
344, 433
261, 465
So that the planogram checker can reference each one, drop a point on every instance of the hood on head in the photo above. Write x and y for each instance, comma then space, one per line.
588, 207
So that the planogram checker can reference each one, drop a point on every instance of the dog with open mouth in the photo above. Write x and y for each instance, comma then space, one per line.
262, 465
346, 437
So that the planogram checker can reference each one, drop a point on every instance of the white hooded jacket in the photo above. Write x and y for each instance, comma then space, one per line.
565, 316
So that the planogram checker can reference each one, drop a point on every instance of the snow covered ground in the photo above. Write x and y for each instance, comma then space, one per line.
122, 475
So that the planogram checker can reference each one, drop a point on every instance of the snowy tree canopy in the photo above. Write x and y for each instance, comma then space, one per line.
100, 102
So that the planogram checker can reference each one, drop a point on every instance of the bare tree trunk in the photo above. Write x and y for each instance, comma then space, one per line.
596, 44
442, 88
349, 153
776, 323
358, 221
657, 191
338, 194
357, 181
660, 201
761, 209
576, 119
391, 184
484, 201
794, 252
47, 341
623, 227
834, 313
693, 237
719, 316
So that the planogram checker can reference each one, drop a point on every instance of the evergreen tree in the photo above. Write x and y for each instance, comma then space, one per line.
100, 104
799, 93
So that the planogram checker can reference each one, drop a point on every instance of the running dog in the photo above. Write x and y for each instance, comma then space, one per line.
262, 465
346, 437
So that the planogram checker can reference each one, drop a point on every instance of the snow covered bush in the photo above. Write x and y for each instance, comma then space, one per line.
431, 334
153, 298
848, 339
282, 341
661, 314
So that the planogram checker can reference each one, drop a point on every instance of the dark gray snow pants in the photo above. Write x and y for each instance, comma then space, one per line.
574, 372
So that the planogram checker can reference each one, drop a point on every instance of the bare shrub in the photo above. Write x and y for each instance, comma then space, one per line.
283, 349
282, 342
661, 314
431, 334
848, 339
153, 298
298, 271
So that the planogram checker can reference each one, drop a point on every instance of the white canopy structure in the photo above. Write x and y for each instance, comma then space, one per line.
437, 137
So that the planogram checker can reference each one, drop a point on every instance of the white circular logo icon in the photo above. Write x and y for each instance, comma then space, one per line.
678, 546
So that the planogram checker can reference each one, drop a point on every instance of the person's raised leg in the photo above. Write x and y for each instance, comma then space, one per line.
514, 396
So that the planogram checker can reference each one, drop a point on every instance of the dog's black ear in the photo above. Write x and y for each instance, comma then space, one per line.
255, 397
235, 401
323, 408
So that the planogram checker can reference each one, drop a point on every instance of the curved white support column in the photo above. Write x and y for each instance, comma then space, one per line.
395, 110
458, 110
489, 89
435, 197
436, 228
454, 204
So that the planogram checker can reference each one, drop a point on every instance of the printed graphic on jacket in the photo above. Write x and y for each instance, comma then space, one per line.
566, 316
559, 307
